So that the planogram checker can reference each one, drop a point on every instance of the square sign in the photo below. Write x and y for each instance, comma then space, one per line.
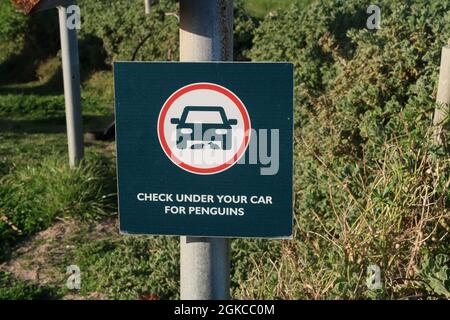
204, 149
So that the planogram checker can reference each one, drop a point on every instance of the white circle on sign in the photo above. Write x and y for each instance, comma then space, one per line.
204, 128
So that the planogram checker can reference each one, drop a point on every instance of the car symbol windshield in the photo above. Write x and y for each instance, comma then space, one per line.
204, 117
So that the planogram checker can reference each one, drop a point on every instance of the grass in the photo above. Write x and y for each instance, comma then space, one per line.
37, 186
129, 267
20, 105
39, 94
13, 289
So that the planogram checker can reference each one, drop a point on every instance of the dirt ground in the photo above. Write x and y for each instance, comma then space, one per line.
40, 259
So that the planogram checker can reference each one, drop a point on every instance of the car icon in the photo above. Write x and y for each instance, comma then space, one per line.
207, 125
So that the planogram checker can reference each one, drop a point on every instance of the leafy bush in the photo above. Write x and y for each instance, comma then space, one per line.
371, 187
113, 31
244, 27
38, 32
435, 271
12, 24
128, 33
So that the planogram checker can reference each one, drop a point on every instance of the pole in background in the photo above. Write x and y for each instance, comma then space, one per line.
206, 34
147, 4
443, 94
72, 96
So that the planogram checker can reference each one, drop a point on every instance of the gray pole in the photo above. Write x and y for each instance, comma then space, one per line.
72, 96
443, 94
147, 4
206, 34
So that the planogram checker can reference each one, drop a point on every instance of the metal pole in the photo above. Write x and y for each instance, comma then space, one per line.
72, 96
206, 34
443, 94
147, 6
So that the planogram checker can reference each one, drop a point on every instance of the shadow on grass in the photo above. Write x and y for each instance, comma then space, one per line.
53, 86
91, 123
19, 72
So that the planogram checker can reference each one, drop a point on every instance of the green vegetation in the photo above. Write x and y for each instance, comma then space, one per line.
260, 8
130, 267
31, 106
370, 185
127, 33
35, 191
13, 289
12, 26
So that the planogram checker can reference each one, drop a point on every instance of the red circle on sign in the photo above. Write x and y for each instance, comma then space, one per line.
208, 86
